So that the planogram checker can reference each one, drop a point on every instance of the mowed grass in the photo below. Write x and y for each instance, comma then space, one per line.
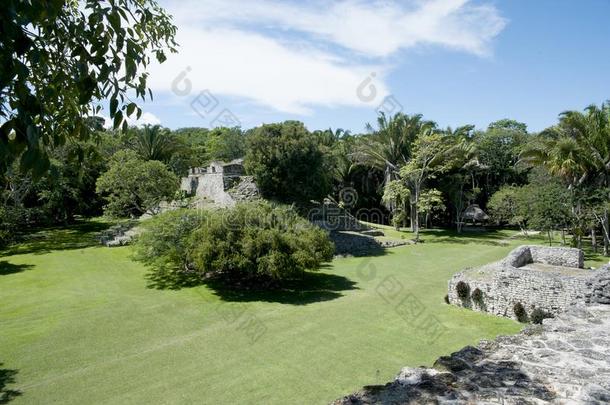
79, 325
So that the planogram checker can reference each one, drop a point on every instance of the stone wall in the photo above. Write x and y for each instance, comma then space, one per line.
533, 289
536, 277
599, 287
222, 186
555, 256
558, 256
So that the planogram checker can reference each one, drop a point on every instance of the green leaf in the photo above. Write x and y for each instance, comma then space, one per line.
131, 108
114, 103
118, 119
115, 20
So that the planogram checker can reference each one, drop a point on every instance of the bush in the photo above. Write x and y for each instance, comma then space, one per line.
446, 299
477, 296
252, 244
12, 221
463, 290
520, 313
538, 315
257, 243
163, 245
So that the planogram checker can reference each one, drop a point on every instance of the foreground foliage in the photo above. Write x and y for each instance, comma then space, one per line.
58, 58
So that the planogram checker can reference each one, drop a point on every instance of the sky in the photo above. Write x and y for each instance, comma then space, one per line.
337, 64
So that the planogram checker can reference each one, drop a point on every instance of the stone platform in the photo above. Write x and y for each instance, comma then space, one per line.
546, 278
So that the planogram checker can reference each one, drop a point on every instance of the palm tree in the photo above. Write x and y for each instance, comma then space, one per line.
578, 151
390, 146
154, 143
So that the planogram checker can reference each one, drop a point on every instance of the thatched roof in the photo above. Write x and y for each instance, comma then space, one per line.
474, 213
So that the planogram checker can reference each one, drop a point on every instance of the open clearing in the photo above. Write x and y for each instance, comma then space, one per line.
80, 325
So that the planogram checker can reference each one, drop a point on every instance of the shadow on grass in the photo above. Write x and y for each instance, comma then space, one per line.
76, 236
490, 237
467, 376
7, 377
312, 287
10, 268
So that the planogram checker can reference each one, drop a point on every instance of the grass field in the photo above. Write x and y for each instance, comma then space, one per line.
79, 325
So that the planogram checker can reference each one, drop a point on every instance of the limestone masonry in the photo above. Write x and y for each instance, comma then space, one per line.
566, 360
221, 184
547, 278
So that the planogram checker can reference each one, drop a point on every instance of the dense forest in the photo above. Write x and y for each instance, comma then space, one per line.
405, 169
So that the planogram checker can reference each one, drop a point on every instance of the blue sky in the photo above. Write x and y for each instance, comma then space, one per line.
455, 61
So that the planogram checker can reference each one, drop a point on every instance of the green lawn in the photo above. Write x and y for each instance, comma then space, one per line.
79, 325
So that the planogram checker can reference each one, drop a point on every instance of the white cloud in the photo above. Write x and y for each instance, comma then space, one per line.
147, 118
294, 56
258, 68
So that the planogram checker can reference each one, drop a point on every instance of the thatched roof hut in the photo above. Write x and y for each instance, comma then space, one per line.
474, 213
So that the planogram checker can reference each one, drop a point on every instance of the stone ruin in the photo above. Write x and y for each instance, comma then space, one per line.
350, 236
548, 278
222, 184
564, 360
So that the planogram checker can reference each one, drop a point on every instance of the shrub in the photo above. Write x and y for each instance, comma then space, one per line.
477, 296
252, 244
463, 290
446, 299
163, 245
519, 311
538, 315
258, 243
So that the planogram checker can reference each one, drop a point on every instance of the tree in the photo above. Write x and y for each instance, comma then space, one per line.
427, 161
153, 142
508, 206
430, 202
61, 58
132, 186
578, 151
508, 124
396, 196
498, 151
550, 207
287, 163
391, 144
225, 144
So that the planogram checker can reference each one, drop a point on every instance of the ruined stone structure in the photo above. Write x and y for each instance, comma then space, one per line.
566, 360
547, 278
221, 184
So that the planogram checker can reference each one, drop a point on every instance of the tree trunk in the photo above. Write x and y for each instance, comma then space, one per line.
593, 240
606, 235
548, 232
563, 236
416, 221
